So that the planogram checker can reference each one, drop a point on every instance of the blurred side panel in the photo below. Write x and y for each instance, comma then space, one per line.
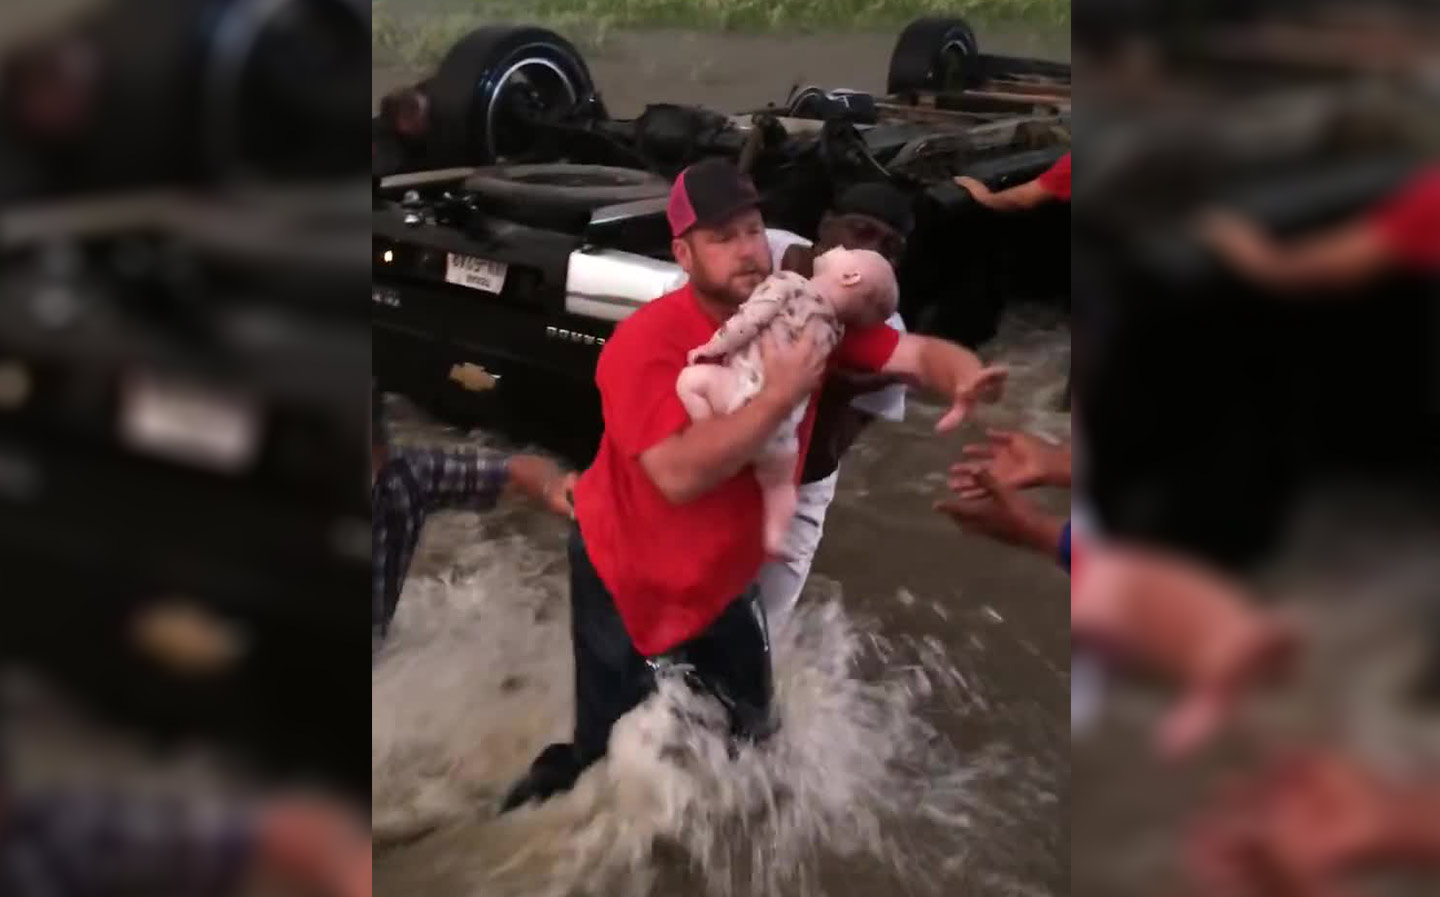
184, 369
1256, 273
1209, 395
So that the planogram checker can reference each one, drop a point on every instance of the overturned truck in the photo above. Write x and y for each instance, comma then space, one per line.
516, 221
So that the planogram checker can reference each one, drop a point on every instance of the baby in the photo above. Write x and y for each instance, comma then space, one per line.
850, 288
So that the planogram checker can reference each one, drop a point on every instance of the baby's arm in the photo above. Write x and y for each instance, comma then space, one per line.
748, 321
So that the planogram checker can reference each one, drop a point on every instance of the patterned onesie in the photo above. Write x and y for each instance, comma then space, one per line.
785, 304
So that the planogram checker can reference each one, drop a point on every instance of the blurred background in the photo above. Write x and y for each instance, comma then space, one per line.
1258, 403
184, 228
184, 359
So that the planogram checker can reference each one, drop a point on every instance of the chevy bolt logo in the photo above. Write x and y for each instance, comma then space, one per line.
573, 336
473, 377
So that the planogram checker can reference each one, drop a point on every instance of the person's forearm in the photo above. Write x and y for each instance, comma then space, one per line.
531, 475
1019, 198
1044, 534
944, 366
1341, 259
1057, 471
713, 450
457, 478
139, 844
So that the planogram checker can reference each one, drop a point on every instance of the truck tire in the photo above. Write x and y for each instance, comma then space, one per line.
581, 185
560, 196
473, 85
932, 54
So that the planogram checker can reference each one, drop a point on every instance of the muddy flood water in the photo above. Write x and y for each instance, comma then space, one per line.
922, 688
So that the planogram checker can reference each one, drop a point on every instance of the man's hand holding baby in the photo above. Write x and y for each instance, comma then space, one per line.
793, 372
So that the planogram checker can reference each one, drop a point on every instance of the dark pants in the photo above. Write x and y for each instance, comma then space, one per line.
729, 660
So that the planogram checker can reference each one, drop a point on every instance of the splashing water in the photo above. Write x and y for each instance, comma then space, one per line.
471, 688
916, 759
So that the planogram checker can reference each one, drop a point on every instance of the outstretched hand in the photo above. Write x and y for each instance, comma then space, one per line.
987, 386
1237, 239
976, 188
995, 510
1302, 826
560, 495
1017, 460
792, 371
543, 480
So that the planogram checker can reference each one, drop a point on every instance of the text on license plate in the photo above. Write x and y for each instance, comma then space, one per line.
475, 273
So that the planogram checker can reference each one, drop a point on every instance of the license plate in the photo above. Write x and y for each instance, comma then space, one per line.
190, 423
475, 273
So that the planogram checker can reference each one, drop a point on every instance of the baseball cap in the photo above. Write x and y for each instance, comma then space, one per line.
709, 193
880, 201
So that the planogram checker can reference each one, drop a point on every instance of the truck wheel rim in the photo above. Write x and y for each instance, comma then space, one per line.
542, 78
951, 67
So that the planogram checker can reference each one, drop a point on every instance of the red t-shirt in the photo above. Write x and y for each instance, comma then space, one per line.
672, 569
1409, 222
1056, 179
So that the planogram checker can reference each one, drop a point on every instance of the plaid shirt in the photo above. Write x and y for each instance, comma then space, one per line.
413, 484
83, 843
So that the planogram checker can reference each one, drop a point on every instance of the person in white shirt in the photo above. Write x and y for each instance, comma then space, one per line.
872, 216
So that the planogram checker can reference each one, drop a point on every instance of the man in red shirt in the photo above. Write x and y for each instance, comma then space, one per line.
668, 538
1402, 234
1053, 185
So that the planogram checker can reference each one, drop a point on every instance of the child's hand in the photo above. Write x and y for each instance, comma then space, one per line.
986, 386
1187, 624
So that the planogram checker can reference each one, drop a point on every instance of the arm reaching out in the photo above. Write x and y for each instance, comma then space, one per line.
1341, 258
1028, 195
1052, 185
948, 370
1309, 823
1018, 461
994, 509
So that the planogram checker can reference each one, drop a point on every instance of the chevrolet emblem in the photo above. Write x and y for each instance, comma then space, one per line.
473, 377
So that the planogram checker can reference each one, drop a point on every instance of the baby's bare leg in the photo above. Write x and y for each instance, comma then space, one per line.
705, 389
776, 473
